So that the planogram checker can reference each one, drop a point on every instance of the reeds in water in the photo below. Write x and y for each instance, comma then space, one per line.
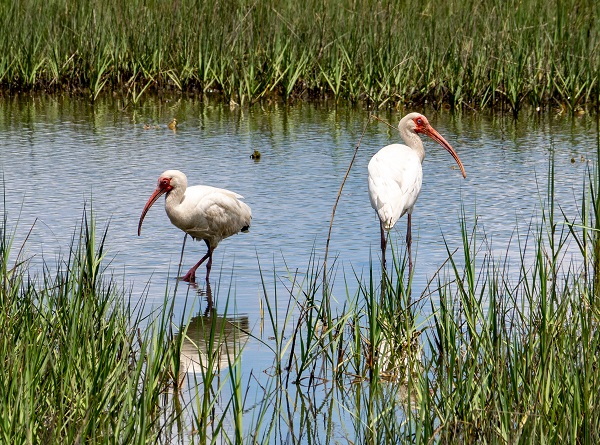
507, 351
78, 363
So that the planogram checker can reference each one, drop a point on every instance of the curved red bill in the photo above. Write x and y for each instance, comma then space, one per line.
157, 194
433, 134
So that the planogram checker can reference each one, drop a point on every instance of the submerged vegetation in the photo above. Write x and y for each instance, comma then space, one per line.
459, 53
495, 350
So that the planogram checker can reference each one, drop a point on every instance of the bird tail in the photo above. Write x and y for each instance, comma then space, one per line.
387, 220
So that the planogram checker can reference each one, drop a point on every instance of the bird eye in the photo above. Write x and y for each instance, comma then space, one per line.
420, 121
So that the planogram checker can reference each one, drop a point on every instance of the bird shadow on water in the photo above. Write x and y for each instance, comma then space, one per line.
210, 346
205, 293
212, 337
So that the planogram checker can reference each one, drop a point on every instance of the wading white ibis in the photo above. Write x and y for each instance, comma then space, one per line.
395, 176
206, 213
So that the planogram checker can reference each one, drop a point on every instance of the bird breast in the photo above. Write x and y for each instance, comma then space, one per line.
208, 213
395, 178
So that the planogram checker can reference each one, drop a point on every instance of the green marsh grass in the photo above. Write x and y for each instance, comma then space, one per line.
76, 365
459, 53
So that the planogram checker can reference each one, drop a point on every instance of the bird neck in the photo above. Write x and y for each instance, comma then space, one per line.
413, 140
176, 211
174, 198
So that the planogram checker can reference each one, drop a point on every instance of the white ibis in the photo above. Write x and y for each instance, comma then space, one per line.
206, 213
395, 176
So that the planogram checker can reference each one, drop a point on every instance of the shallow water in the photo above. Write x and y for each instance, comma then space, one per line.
60, 155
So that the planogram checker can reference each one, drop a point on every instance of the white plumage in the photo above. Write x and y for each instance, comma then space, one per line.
396, 175
394, 186
206, 213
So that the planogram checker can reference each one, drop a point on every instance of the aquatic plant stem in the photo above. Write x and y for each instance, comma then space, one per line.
337, 200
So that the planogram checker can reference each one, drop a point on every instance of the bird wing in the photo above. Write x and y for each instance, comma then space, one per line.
395, 177
214, 214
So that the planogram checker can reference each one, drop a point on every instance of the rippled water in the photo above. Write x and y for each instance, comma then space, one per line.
59, 155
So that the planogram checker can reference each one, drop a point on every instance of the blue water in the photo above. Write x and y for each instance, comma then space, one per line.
59, 156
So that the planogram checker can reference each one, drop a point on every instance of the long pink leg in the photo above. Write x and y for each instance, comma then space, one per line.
408, 244
190, 276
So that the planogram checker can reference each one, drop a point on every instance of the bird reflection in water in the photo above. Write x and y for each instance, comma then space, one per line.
211, 341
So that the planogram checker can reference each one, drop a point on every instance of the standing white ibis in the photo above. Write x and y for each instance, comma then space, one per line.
206, 213
395, 176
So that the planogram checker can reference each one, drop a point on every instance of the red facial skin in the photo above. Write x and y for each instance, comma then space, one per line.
422, 126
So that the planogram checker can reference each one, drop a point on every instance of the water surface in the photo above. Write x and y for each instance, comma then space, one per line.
59, 155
